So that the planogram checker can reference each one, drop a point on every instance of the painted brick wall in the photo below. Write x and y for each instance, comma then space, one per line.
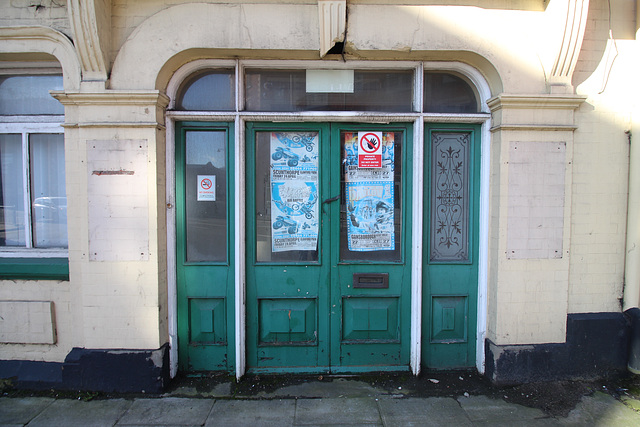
120, 294
50, 13
527, 294
605, 73
64, 304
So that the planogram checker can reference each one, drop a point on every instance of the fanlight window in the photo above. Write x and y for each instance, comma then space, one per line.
212, 90
448, 93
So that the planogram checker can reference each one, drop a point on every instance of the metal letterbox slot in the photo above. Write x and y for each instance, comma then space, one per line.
371, 280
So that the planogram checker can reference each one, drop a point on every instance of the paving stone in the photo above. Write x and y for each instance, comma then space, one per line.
483, 408
538, 422
20, 411
602, 410
434, 411
68, 412
631, 402
338, 388
167, 411
252, 413
355, 411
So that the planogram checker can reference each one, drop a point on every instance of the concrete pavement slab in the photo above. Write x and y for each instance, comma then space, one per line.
69, 412
433, 411
252, 413
167, 411
601, 409
339, 387
485, 409
21, 411
221, 390
337, 411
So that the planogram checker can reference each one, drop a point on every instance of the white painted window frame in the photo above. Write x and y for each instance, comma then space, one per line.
418, 118
25, 126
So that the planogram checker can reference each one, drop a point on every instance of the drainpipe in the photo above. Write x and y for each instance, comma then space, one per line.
631, 295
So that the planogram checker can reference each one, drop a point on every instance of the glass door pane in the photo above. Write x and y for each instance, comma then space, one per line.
206, 196
371, 199
286, 196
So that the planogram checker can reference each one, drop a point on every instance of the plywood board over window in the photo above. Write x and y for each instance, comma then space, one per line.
536, 200
118, 201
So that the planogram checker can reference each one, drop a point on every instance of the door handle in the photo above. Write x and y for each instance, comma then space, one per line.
331, 199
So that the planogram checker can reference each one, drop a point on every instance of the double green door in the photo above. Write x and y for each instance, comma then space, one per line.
328, 272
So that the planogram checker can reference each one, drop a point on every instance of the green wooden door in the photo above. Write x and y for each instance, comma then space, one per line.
450, 259
204, 246
328, 273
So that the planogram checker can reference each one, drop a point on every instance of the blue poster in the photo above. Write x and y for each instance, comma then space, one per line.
294, 191
370, 199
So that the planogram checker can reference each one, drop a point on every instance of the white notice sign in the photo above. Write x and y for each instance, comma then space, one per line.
206, 188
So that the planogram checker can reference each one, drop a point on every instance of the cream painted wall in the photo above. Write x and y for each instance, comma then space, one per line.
109, 304
51, 13
607, 75
119, 300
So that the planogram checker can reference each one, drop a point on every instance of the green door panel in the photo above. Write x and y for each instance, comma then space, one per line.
450, 258
370, 320
204, 246
289, 321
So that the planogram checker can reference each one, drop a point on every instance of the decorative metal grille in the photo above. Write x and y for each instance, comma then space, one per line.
450, 170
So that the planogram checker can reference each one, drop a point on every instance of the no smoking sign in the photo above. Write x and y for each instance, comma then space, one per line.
206, 188
369, 149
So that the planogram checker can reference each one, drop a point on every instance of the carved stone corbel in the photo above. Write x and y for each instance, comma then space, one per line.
567, 58
90, 21
332, 23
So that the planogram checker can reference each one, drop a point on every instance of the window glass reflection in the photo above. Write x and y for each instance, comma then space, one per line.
206, 196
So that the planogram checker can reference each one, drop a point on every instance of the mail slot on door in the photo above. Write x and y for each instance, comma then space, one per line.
371, 280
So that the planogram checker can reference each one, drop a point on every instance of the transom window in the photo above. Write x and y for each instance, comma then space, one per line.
33, 202
288, 90
309, 89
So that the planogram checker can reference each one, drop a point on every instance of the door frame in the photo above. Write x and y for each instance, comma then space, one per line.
418, 118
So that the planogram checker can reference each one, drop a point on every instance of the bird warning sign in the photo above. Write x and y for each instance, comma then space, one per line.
369, 149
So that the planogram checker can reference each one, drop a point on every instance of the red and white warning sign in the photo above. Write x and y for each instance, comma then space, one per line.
207, 188
369, 149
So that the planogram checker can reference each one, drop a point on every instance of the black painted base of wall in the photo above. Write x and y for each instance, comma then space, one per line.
597, 345
126, 371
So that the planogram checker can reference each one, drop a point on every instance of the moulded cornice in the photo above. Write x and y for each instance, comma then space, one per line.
547, 102
29, 39
154, 97
85, 28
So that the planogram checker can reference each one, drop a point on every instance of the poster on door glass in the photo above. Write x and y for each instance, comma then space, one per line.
369, 198
370, 225
294, 191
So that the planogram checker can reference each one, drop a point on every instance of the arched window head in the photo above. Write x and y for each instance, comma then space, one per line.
211, 90
448, 93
